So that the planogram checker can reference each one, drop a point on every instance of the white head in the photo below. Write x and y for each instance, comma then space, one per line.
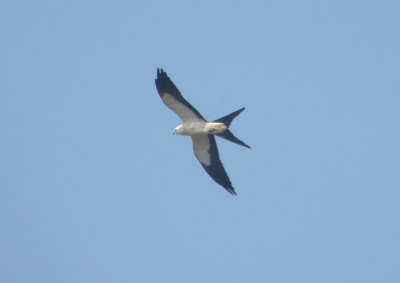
178, 130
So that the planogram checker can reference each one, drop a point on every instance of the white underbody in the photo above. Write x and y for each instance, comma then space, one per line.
200, 128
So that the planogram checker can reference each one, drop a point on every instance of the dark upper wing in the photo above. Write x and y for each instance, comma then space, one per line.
174, 100
206, 151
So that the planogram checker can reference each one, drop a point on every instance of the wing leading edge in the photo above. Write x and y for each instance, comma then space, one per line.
174, 100
206, 151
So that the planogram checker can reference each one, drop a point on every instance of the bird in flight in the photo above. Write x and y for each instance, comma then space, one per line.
199, 129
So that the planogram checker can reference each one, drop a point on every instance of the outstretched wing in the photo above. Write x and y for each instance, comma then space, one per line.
206, 151
174, 100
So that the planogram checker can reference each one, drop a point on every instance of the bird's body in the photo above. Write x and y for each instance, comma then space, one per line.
201, 131
200, 128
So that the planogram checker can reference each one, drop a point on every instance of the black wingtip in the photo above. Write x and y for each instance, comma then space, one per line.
160, 71
164, 83
231, 190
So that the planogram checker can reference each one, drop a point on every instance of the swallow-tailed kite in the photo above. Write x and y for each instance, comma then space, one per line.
201, 131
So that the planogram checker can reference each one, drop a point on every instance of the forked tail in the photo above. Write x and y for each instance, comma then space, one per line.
227, 120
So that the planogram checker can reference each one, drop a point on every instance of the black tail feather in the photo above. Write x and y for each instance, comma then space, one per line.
230, 137
227, 120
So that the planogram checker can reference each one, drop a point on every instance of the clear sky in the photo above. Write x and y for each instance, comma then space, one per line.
95, 188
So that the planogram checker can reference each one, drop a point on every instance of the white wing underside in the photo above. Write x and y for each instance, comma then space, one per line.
201, 147
185, 113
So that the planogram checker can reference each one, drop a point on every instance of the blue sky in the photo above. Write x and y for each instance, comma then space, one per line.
94, 188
